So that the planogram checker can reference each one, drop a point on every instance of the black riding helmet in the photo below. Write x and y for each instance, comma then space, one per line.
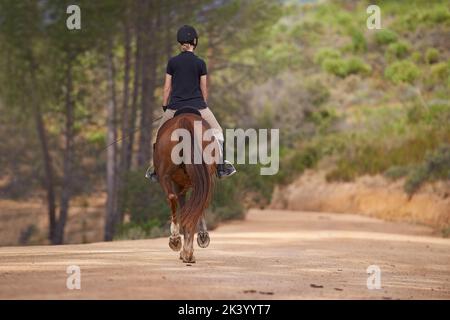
187, 34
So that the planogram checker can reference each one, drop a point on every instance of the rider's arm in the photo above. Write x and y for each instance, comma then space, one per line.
167, 89
204, 87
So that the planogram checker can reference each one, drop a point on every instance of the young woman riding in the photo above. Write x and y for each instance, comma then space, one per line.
186, 86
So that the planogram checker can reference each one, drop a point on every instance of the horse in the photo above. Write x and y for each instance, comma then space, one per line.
177, 179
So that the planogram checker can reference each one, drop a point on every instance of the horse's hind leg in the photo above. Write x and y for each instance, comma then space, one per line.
187, 254
202, 235
175, 238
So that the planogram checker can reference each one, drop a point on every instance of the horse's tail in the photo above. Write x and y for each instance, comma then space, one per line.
202, 183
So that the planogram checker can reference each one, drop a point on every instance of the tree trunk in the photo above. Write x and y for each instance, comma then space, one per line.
48, 162
125, 118
136, 85
148, 86
111, 201
66, 191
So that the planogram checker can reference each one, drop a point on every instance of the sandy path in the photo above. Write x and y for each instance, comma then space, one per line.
271, 255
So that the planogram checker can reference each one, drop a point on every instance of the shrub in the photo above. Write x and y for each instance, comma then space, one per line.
357, 66
436, 166
297, 161
431, 55
359, 43
396, 172
385, 36
336, 66
143, 201
318, 92
143, 230
326, 53
416, 56
343, 68
437, 15
439, 73
397, 50
402, 71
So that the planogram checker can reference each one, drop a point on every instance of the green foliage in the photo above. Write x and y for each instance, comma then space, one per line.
326, 53
359, 43
397, 50
143, 230
296, 161
97, 138
389, 150
227, 200
439, 74
402, 71
396, 172
431, 55
357, 66
336, 66
416, 57
385, 36
342, 67
318, 92
446, 232
436, 166
421, 13
143, 201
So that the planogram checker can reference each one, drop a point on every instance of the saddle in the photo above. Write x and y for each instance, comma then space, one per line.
187, 110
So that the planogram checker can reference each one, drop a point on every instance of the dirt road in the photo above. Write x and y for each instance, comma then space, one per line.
271, 255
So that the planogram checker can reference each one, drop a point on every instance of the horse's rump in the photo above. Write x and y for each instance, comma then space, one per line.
198, 177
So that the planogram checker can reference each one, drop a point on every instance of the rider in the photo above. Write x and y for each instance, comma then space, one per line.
185, 86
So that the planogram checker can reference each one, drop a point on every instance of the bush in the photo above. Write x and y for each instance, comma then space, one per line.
336, 66
144, 201
374, 154
326, 53
436, 166
402, 71
397, 172
318, 92
416, 57
297, 161
135, 231
343, 68
397, 50
431, 55
437, 15
385, 36
359, 43
357, 66
439, 73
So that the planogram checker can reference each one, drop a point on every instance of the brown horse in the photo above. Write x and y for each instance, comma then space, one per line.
177, 179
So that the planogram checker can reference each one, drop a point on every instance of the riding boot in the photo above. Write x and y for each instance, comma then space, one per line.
224, 168
150, 173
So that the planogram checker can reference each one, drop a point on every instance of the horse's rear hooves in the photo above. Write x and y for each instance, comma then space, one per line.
175, 243
203, 239
187, 258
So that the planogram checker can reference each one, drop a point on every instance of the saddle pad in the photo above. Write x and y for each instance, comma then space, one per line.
187, 110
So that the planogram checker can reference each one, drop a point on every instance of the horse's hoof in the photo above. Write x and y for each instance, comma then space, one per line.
187, 258
203, 239
175, 243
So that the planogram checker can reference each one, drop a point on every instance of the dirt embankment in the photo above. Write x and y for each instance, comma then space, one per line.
374, 196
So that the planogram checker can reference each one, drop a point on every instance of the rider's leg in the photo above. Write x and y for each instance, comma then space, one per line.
224, 167
167, 115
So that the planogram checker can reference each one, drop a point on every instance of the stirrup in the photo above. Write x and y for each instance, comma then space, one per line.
225, 169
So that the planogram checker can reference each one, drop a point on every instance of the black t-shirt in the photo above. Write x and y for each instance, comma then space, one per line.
186, 70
